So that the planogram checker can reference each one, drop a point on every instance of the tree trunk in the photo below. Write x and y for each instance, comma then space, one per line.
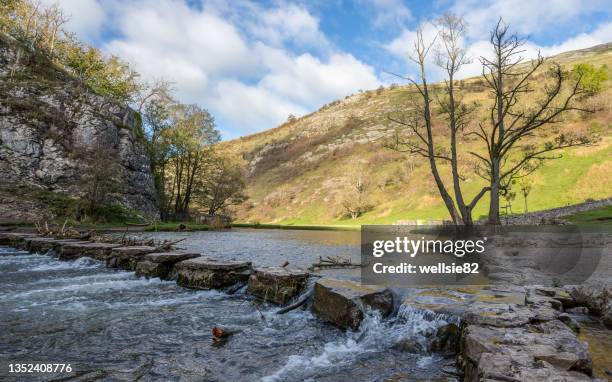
494, 204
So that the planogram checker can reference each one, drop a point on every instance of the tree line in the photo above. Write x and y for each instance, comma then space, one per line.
189, 173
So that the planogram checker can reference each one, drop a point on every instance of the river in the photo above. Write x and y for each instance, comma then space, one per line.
111, 325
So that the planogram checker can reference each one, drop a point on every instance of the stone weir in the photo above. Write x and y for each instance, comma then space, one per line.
498, 334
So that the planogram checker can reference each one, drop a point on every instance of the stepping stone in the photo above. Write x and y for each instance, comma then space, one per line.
128, 257
276, 284
45, 244
207, 273
160, 264
97, 251
345, 303
14, 238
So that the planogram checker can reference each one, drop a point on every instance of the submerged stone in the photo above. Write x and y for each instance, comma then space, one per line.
277, 284
127, 257
207, 273
345, 303
97, 251
160, 264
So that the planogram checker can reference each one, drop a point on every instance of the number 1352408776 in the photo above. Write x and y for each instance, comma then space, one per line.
39, 368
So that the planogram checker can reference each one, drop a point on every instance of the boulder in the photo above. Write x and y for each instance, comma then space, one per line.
207, 273
597, 297
276, 284
345, 303
97, 251
160, 264
127, 257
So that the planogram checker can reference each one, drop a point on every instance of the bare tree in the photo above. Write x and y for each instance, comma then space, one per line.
54, 19
525, 186
418, 120
100, 176
355, 201
511, 122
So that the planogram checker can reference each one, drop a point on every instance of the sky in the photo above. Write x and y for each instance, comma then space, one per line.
253, 63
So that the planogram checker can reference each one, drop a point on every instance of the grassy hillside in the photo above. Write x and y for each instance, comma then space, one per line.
302, 171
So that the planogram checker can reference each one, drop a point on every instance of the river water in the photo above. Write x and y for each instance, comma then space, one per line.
110, 325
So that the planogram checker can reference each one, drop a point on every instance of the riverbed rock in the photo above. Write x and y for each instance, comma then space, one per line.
207, 273
345, 303
160, 264
597, 297
549, 349
277, 284
97, 251
13, 239
498, 315
127, 257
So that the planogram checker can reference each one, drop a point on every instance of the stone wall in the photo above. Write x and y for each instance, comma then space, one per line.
548, 216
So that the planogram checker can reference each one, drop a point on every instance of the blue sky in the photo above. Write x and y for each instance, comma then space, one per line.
252, 63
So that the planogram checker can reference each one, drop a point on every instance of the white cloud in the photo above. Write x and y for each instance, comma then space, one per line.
601, 35
388, 13
525, 16
309, 81
290, 23
250, 67
86, 16
250, 108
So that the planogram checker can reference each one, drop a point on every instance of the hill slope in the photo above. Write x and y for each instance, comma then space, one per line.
303, 171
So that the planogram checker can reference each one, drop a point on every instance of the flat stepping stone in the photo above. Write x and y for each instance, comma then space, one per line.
14, 238
97, 251
160, 264
277, 284
127, 257
45, 244
345, 303
207, 273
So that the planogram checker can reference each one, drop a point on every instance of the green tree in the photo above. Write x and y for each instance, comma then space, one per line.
190, 143
591, 78
222, 186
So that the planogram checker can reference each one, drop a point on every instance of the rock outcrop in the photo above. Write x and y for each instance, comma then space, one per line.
48, 122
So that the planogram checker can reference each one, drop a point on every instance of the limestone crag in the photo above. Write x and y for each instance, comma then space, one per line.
48, 121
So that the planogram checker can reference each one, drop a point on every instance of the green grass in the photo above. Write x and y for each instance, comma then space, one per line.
600, 216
